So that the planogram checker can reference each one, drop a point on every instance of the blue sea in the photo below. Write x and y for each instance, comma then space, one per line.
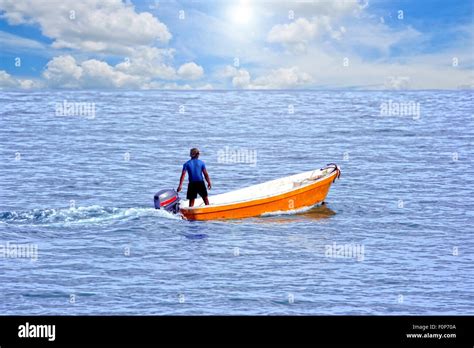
79, 234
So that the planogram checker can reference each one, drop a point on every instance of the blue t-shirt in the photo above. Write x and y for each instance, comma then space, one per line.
194, 167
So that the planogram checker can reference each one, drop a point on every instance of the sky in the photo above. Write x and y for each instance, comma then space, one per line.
237, 44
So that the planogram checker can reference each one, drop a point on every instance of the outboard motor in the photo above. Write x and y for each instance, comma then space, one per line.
167, 200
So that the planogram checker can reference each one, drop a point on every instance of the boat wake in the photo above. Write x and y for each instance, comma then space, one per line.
315, 212
291, 212
80, 215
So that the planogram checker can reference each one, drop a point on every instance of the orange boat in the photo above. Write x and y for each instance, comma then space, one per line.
285, 194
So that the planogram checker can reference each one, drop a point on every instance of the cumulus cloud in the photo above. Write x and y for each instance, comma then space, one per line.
298, 34
63, 71
98, 27
66, 72
226, 71
397, 82
98, 74
149, 62
94, 26
316, 39
241, 79
291, 77
313, 19
9, 82
299, 31
283, 78
190, 71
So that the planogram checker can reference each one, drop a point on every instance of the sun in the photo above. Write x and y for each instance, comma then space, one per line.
242, 13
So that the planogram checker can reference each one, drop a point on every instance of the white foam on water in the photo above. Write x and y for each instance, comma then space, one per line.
291, 212
81, 215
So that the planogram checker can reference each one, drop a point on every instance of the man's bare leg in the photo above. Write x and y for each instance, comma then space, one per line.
206, 200
191, 203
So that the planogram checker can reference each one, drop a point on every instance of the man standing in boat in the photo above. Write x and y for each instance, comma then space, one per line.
195, 169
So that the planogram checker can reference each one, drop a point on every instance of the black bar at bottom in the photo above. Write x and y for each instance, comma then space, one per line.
329, 330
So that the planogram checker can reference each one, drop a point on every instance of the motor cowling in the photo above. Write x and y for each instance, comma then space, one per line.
167, 200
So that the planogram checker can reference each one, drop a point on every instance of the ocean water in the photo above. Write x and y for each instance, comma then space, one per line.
78, 190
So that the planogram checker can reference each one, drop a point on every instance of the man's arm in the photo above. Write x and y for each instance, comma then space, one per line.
208, 179
183, 174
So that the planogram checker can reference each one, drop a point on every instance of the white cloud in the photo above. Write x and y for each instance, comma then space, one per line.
63, 71
283, 78
17, 44
66, 72
276, 79
241, 79
94, 26
299, 31
169, 85
9, 82
429, 71
207, 86
190, 71
149, 62
98, 74
380, 37
174, 85
397, 82
315, 43
298, 34
29, 84
318, 45
312, 8
227, 71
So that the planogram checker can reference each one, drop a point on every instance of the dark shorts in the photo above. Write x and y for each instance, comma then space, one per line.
195, 188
